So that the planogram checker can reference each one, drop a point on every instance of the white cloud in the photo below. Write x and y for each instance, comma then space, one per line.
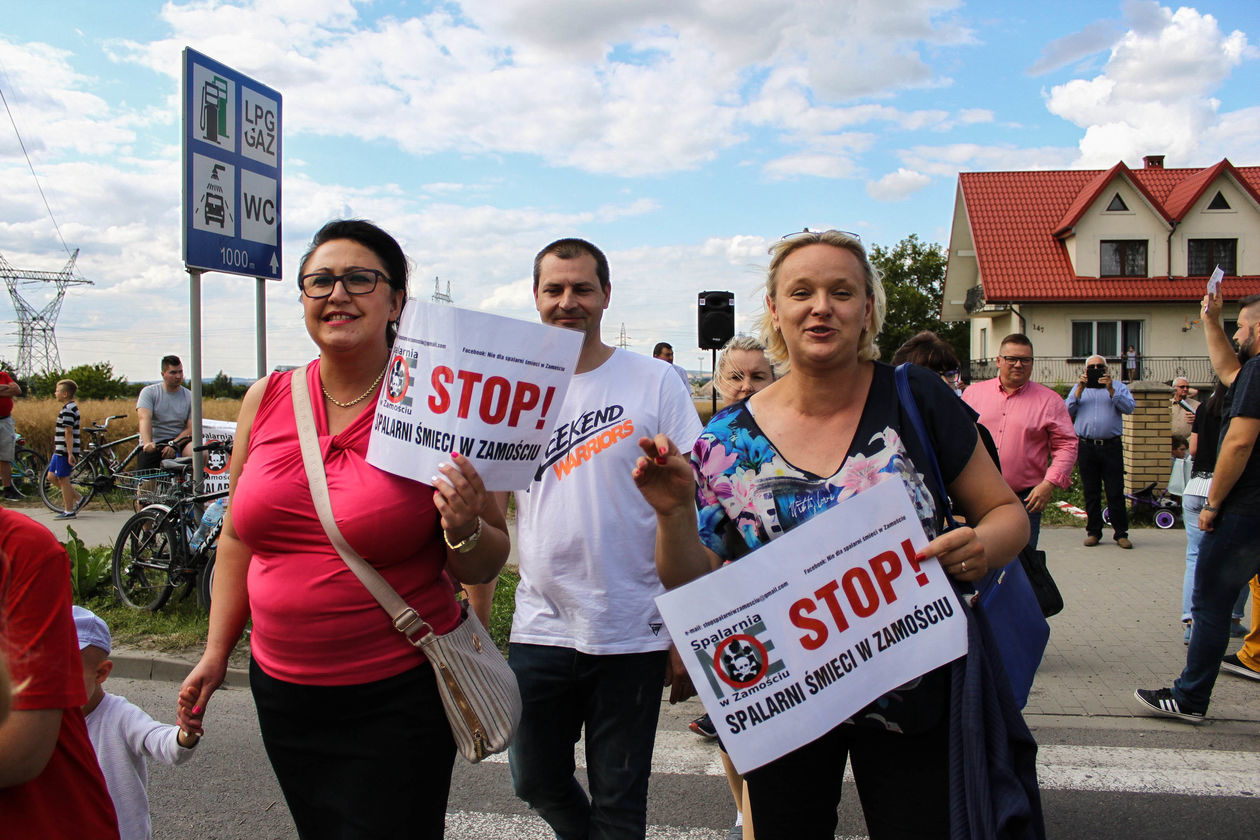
897, 186
1094, 38
1154, 94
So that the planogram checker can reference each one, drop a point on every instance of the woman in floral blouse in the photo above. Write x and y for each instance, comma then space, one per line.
827, 430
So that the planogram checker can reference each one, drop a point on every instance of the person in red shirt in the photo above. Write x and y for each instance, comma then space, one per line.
8, 434
1031, 426
50, 782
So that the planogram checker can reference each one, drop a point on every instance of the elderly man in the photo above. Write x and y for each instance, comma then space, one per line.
1031, 427
1097, 405
1181, 419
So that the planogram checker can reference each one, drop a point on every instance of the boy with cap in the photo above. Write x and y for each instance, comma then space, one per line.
122, 733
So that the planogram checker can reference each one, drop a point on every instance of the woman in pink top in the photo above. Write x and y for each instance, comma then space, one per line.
349, 711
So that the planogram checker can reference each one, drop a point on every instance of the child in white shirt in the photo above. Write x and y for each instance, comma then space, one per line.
123, 734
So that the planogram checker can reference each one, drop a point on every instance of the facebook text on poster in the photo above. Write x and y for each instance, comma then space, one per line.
798, 636
482, 385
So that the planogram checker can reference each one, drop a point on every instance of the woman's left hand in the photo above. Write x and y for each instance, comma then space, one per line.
460, 496
961, 554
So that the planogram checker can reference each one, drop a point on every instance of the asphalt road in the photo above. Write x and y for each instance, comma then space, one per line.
1098, 781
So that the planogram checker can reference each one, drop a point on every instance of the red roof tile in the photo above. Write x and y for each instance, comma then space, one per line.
1014, 217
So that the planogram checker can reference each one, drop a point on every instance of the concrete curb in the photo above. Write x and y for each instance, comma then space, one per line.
138, 665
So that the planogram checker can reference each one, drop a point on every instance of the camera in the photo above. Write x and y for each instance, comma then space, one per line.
1093, 373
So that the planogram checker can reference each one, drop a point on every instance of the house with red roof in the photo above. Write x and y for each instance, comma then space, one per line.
1094, 261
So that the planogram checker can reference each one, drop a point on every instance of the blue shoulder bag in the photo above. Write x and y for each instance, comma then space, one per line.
1005, 595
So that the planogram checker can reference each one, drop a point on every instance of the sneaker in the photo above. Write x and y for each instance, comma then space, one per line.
703, 726
65, 514
11, 493
1186, 638
737, 832
1234, 665
1236, 629
1161, 702
1123, 542
1091, 541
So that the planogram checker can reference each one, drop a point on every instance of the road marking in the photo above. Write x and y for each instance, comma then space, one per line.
478, 825
1059, 767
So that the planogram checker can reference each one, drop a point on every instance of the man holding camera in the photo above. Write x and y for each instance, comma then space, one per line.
1097, 405
1183, 408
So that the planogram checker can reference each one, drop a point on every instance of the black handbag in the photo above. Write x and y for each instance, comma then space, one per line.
1043, 585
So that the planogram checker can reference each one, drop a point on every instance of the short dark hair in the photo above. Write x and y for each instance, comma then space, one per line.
571, 249
376, 240
1249, 300
170, 362
1179, 441
929, 350
661, 346
1017, 338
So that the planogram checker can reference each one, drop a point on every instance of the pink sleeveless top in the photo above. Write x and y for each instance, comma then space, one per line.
314, 622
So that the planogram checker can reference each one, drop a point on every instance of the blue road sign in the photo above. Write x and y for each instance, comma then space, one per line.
231, 170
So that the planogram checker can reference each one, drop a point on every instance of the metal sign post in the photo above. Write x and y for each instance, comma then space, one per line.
231, 185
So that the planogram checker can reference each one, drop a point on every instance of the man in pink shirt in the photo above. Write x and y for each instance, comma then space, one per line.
1031, 426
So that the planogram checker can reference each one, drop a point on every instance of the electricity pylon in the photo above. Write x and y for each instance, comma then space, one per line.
37, 338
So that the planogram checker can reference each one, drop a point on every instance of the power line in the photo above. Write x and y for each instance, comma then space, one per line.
31, 165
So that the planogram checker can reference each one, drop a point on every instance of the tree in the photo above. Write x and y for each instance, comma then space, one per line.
914, 279
95, 381
222, 387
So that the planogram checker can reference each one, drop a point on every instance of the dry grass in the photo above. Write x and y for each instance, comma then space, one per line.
36, 418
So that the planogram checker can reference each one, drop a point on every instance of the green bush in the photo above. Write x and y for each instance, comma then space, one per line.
95, 381
89, 567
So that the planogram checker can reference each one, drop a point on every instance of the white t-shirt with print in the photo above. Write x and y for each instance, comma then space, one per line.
587, 539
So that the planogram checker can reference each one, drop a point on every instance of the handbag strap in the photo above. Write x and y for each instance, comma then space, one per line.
405, 619
911, 408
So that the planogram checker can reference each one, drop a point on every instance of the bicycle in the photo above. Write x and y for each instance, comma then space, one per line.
153, 556
28, 467
1166, 506
99, 468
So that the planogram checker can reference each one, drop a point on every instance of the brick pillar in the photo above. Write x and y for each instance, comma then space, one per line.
1147, 437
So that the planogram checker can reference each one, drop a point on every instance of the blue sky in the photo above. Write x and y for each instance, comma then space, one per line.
682, 137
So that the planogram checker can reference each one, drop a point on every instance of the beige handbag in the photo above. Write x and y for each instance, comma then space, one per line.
478, 689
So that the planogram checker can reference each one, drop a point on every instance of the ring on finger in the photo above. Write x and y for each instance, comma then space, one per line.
964, 565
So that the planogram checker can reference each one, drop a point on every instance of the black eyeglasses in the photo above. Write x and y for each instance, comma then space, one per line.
808, 232
1018, 361
359, 281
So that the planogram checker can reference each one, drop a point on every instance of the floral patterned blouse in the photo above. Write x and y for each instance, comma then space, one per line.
748, 494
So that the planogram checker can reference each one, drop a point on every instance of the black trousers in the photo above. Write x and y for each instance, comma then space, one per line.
1102, 466
359, 761
902, 781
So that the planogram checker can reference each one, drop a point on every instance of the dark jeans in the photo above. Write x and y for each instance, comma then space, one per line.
902, 781
359, 761
1229, 556
617, 698
1103, 465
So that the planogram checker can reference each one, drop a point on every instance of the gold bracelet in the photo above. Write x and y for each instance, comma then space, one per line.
468, 543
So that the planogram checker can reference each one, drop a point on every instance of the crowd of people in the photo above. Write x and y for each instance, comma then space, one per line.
349, 711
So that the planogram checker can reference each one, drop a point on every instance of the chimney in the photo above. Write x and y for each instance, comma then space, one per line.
1153, 161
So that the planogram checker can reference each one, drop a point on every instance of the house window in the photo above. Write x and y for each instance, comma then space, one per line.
1105, 338
1117, 204
1123, 258
1218, 203
1206, 254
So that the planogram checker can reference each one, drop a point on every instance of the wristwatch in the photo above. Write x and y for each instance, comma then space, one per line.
1206, 506
468, 543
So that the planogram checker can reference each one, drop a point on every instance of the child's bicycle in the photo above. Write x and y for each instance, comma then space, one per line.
1165, 506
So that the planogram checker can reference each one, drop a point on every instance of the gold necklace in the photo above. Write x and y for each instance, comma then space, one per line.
359, 398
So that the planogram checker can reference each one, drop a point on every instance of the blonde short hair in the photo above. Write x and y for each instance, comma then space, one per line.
776, 349
70, 385
740, 342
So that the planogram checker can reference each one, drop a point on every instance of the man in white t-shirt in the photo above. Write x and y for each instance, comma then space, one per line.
588, 646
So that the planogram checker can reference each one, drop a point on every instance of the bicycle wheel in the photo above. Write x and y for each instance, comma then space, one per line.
82, 480
143, 555
205, 584
28, 467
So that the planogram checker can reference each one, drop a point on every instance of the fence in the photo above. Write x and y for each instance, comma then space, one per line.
1063, 371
